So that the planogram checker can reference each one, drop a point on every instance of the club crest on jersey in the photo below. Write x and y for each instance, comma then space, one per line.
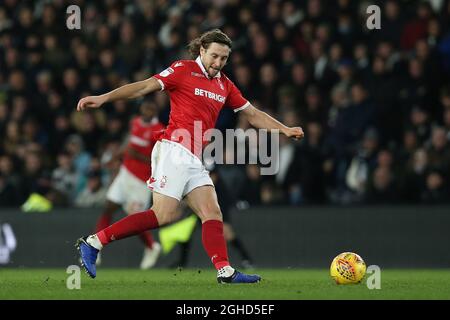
166, 72
220, 84
163, 182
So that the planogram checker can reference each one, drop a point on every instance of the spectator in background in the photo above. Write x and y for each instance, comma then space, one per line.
72, 87
416, 28
363, 164
393, 22
64, 180
94, 193
9, 183
299, 79
439, 151
89, 126
287, 152
413, 178
36, 178
9, 169
12, 139
306, 177
244, 80
436, 188
281, 50
382, 188
419, 123
383, 88
9, 195
362, 61
314, 110
350, 124
268, 87
253, 184
80, 159
410, 144
60, 133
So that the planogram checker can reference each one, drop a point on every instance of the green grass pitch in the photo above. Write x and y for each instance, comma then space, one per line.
190, 284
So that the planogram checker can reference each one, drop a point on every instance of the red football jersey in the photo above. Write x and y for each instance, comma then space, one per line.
143, 137
196, 101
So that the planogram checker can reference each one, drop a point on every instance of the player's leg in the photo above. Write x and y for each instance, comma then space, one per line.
140, 198
228, 232
232, 238
152, 250
105, 220
115, 198
106, 216
162, 212
203, 201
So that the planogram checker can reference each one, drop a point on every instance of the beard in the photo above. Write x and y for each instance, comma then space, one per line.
213, 71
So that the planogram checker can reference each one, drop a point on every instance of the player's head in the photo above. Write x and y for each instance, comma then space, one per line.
148, 110
214, 48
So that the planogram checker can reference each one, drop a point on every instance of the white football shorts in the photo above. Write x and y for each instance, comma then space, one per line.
129, 191
176, 171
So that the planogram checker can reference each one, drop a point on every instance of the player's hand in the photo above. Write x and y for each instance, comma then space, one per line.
295, 133
90, 102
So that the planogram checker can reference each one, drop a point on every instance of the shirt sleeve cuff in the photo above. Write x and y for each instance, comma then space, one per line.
161, 83
243, 107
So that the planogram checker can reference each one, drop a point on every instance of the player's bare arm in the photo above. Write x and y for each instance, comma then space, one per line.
128, 91
261, 120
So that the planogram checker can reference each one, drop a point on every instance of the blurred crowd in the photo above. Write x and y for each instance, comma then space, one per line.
374, 104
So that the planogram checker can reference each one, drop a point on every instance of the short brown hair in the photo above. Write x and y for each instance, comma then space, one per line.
206, 39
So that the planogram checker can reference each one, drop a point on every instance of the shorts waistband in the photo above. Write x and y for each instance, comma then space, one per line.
179, 145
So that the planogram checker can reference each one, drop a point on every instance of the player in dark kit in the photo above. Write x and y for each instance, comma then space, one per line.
198, 90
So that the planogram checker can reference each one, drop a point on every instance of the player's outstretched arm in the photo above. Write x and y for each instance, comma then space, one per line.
128, 91
261, 120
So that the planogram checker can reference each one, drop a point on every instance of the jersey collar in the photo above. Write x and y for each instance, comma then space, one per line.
200, 64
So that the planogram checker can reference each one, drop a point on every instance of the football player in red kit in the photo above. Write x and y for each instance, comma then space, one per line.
129, 189
198, 90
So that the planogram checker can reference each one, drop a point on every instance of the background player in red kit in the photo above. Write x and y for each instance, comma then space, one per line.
198, 90
129, 189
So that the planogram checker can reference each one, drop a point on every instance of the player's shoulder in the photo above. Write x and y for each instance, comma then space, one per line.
183, 64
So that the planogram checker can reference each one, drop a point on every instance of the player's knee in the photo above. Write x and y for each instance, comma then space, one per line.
210, 213
164, 216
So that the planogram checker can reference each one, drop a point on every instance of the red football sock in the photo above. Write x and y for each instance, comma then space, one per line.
129, 226
103, 222
214, 243
147, 239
